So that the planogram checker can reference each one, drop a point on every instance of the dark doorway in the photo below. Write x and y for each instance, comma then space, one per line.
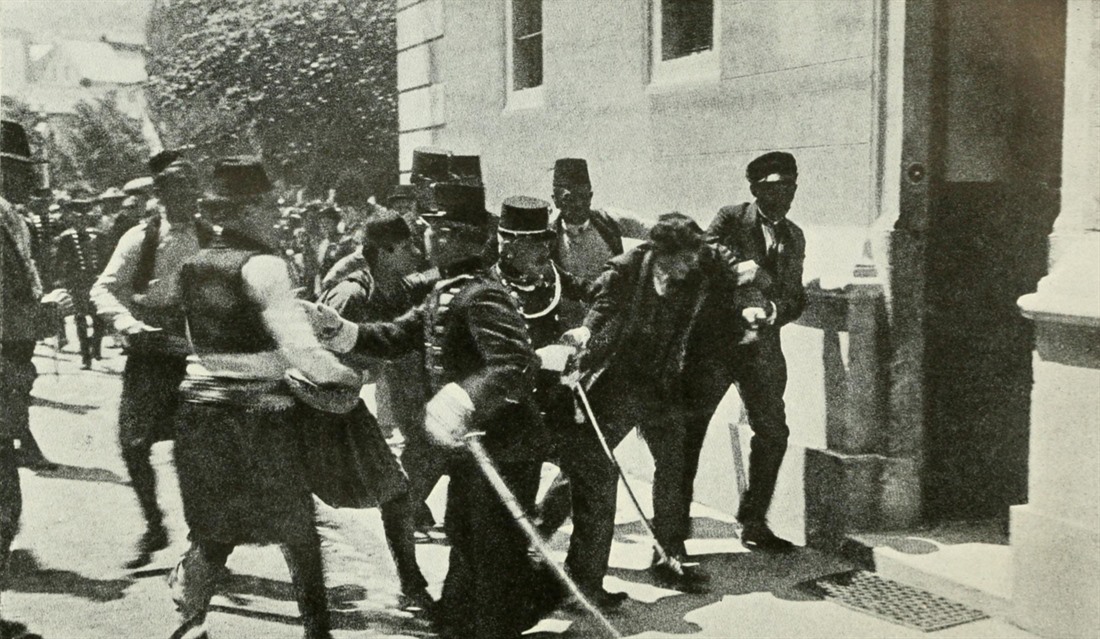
996, 109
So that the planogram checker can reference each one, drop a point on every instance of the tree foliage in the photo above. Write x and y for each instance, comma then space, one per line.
98, 146
311, 85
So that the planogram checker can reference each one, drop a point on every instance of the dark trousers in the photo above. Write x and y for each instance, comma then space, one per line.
203, 565
425, 464
593, 481
90, 330
759, 371
17, 375
11, 504
397, 523
492, 589
146, 415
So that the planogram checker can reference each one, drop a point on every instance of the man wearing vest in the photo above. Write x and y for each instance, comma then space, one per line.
138, 292
24, 312
240, 451
481, 372
586, 237
769, 250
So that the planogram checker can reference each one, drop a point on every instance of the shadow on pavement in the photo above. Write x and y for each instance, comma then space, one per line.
82, 473
28, 576
76, 409
376, 623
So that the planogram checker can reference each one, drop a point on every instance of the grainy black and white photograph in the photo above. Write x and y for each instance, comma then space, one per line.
550, 319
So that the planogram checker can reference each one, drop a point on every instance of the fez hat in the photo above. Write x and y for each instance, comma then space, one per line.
163, 160
523, 216
770, 167
431, 163
465, 169
401, 192
571, 172
113, 193
239, 177
14, 144
459, 204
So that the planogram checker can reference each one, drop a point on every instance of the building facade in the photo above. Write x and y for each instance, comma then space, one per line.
939, 143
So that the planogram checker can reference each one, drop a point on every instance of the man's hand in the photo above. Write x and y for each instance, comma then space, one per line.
334, 332
754, 316
447, 416
577, 337
60, 299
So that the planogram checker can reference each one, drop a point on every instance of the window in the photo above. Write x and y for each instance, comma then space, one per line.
524, 52
684, 42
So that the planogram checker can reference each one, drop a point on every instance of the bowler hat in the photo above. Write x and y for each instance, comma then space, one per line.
239, 177
771, 167
431, 163
13, 143
523, 216
465, 169
459, 204
571, 172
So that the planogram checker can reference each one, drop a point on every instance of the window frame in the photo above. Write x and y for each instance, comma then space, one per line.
530, 97
694, 68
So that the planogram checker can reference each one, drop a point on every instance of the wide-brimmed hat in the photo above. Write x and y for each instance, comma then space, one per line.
14, 144
571, 172
431, 163
526, 217
458, 204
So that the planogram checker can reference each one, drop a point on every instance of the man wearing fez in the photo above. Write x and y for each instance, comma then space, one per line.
769, 250
24, 313
480, 373
659, 335
239, 451
79, 255
379, 292
138, 293
587, 237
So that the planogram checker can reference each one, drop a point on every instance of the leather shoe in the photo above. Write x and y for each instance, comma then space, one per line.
758, 536
603, 599
677, 575
153, 539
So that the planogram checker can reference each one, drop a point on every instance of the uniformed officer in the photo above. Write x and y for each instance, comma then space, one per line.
481, 373
79, 256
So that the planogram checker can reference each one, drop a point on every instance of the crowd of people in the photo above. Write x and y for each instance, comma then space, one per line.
497, 342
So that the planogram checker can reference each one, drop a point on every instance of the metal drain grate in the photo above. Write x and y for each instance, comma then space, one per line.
897, 603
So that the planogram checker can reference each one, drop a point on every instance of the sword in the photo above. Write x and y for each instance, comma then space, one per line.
672, 562
489, 469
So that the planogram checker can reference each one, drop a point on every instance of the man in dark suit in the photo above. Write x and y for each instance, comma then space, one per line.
769, 251
659, 347
480, 370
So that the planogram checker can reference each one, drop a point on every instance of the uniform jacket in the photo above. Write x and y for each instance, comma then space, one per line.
738, 229
706, 343
480, 342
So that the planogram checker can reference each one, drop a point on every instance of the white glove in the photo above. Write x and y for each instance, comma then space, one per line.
447, 416
555, 357
754, 316
334, 332
577, 337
